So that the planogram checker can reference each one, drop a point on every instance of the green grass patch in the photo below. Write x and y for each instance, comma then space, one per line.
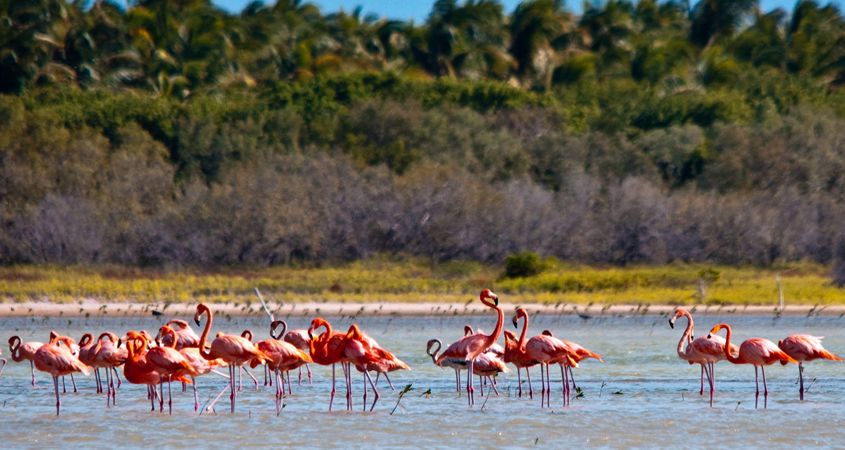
412, 280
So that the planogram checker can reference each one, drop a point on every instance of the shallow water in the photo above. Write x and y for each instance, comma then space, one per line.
641, 396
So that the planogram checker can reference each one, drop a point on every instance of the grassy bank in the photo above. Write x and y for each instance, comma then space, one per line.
414, 281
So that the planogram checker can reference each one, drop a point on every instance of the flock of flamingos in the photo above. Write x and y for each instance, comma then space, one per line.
176, 353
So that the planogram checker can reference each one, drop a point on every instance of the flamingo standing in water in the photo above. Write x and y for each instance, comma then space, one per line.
705, 351
284, 357
547, 349
455, 364
517, 357
327, 349
803, 347
299, 339
468, 348
56, 359
24, 351
234, 350
758, 352
87, 354
136, 369
108, 355
380, 360
169, 364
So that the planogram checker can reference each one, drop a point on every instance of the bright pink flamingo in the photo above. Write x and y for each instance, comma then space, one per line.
358, 352
233, 349
388, 362
299, 339
170, 364
516, 356
24, 352
758, 352
56, 359
468, 348
803, 347
705, 351
327, 349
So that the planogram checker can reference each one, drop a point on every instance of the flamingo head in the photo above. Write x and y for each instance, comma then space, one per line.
275, 325
164, 331
717, 328
247, 334
487, 294
317, 323
201, 309
431, 343
85, 339
679, 312
14, 343
520, 313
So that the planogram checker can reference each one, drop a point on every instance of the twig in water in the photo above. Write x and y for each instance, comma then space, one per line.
807, 389
408, 388
603, 384
737, 405
427, 393
489, 391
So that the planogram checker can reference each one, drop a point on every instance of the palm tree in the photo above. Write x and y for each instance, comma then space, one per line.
539, 28
712, 19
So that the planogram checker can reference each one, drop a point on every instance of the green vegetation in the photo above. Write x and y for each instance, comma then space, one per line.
391, 280
170, 135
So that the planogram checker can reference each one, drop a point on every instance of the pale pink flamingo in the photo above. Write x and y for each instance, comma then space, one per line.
24, 351
185, 335
455, 363
758, 352
109, 356
705, 351
56, 359
169, 364
468, 348
87, 344
74, 350
233, 349
299, 339
284, 357
803, 347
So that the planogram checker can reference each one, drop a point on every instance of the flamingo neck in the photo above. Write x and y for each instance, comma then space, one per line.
521, 344
682, 348
433, 354
206, 354
494, 336
735, 360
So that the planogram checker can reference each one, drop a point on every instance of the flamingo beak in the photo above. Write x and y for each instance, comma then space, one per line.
496, 300
119, 343
197, 319
515, 322
310, 335
672, 323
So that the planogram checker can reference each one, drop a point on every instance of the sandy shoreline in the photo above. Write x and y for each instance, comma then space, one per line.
117, 309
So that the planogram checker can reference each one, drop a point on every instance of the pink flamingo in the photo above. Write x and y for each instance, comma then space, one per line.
454, 363
24, 352
109, 356
284, 357
234, 350
381, 360
705, 351
468, 348
185, 335
299, 339
56, 359
803, 347
547, 349
515, 356
758, 352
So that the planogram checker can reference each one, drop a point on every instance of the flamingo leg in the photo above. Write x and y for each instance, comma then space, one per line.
801, 380
543, 386
299, 378
5, 361
116, 376
365, 393
32, 371
169, 397
113, 389
73, 382
150, 393
347, 378
757, 384
548, 386
458, 381
97, 378
161, 395
331, 399
64, 388
196, 397
470, 388
210, 407
58, 399
701, 389
375, 390
563, 382
519, 382
712, 377
572, 378
233, 386
265, 374
308, 368
530, 389
765, 388
287, 377
108, 389
388, 382
254, 380
240, 379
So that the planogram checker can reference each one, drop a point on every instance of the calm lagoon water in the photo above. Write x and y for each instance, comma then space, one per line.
641, 396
